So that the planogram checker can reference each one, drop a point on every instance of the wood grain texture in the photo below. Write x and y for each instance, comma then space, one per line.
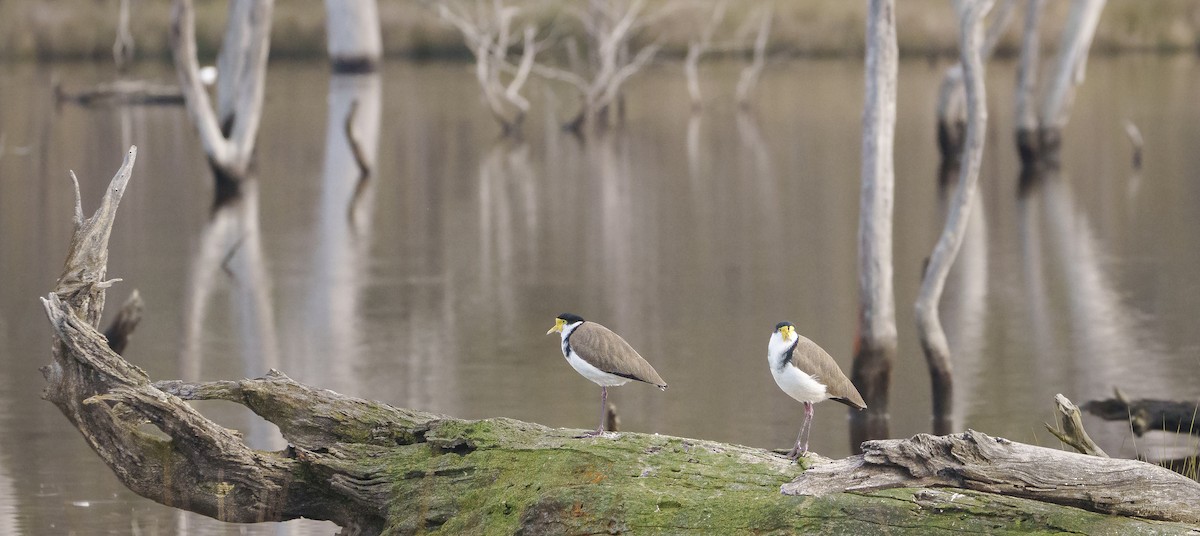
976, 461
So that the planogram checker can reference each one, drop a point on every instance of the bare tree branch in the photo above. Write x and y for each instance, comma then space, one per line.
929, 326
750, 75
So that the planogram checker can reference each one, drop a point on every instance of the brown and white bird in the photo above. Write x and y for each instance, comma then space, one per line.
602, 356
809, 374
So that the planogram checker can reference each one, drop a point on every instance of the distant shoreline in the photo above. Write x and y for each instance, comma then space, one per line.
85, 29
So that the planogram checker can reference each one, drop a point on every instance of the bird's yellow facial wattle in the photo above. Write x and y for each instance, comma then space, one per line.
788, 332
558, 326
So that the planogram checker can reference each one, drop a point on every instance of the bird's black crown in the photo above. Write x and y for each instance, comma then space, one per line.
571, 318
784, 323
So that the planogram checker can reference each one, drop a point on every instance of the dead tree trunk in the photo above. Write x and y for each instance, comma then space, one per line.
876, 344
929, 326
1041, 147
952, 103
1146, 414
750, 75
227, 135
611, 27
696, 48
373, 468
353, 35
488, 34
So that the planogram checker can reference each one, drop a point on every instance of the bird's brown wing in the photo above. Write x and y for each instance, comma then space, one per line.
815, 361
610, 353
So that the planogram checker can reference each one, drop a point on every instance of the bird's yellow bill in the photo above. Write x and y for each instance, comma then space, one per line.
788, 332
558, 325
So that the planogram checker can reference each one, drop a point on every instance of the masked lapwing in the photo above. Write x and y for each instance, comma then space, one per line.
602, 356
809, 374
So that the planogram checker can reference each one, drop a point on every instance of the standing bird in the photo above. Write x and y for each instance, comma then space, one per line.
807, 373
603, 357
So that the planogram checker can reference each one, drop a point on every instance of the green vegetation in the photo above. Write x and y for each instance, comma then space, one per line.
85, 29
502, 476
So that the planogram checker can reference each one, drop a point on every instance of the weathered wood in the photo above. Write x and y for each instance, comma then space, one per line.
228, 133
122, 92
127, 320
1070, 430
1145, 414
696, 48
373, 469
952, 99
875, 347
976, 461
748, 79
488, 33
929, 325
353, 35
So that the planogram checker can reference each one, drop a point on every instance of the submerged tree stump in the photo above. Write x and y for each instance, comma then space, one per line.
373, 468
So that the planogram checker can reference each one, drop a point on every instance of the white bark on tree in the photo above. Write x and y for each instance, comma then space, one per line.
1027, 67
697, 48
929, 326
610, 27
876, 344
123, 45
952, 100
1071, 63
748, 80
227, 135
354, 41
488, 34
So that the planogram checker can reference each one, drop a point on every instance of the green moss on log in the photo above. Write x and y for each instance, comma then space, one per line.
501, 476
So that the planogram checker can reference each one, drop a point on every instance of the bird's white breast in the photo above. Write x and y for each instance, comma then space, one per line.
793, 381
799, 385
585, 369
598, 376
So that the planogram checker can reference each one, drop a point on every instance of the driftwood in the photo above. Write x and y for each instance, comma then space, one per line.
1146, 414
1071, 431
123, 92
976, 461
373, 468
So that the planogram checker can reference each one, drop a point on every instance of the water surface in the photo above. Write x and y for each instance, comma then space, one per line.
432, 286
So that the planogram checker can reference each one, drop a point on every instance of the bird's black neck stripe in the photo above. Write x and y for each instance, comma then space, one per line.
787, 356
566, 342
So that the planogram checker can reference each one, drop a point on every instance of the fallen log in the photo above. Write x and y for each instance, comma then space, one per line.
1145, 414
372, 468
123, 93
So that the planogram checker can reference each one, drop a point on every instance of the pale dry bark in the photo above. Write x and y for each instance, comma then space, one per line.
228, 133
952, 98
353, 35
929, 326
876, 343
487, 30
123, 44
610, 27
697, 48
976, 461
1071, 63
750, 75
1040, 125
1070, 428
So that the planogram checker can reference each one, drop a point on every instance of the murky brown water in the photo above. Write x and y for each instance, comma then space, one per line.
691, 236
